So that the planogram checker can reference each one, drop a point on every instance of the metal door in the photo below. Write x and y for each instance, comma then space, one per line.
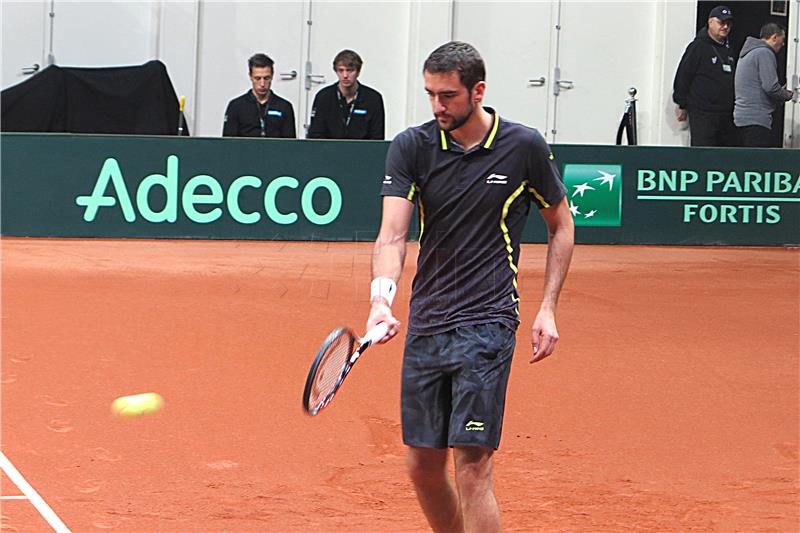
273, 28
596, 63
102, 34
378, 32
23, 52
514, 40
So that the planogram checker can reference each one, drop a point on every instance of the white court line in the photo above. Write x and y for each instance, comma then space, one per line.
47, 513
13, 497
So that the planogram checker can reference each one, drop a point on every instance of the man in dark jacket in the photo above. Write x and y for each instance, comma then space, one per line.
259, 112
347, 109
758, 91
703, 88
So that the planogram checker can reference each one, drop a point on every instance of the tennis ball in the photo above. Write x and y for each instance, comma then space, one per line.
137, 404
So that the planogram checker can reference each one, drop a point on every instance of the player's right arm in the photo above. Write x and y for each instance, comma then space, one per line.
388, 257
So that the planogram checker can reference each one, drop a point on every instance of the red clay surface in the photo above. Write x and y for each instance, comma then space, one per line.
671, 404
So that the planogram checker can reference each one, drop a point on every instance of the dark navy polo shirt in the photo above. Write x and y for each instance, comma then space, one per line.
246, 117
332, 117
473, 206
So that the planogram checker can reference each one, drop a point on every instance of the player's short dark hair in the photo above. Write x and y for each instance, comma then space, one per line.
260, 61
769, 29
457, 56
348, 58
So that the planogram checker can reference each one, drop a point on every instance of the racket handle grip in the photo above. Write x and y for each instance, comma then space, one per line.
375, 334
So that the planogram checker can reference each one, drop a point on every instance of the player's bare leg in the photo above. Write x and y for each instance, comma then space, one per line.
475, 489
427, 468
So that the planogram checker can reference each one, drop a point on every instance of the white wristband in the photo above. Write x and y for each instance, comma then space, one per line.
383, 287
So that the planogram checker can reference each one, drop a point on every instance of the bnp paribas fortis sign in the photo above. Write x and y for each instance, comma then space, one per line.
594, 193
722, 196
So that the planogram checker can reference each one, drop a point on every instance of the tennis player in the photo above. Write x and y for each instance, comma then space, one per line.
474, 176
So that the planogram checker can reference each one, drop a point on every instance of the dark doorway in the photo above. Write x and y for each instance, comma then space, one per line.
748, 17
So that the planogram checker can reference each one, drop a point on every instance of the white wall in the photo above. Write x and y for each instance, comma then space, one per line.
604, 47
674, 30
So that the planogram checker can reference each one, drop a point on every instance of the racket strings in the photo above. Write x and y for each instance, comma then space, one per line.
330, 370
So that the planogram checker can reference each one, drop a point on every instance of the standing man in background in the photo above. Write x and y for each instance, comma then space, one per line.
347, 109
758, 91
703, 87
474, 176
259, 112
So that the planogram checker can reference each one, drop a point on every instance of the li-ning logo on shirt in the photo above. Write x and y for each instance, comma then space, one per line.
497, 179
714, 60
387, 180
474, 426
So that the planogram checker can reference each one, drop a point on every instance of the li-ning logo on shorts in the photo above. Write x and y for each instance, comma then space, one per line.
474, 426
497, 179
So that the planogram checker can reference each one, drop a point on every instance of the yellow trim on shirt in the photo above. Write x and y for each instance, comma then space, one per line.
507, 238
490, 138
539, 197
411, 192
421, 218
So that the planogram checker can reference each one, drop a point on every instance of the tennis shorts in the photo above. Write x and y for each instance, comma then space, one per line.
454, 386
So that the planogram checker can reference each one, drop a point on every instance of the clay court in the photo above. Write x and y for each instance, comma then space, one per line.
671, 404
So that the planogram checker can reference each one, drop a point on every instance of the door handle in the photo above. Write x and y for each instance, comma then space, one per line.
27, 71
289, 75
312, 79
537, 82
559, 83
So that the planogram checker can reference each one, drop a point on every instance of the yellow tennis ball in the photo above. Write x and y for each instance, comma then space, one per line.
137, 404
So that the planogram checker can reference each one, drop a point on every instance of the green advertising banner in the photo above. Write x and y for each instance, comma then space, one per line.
685, 196
62, 185
114, 186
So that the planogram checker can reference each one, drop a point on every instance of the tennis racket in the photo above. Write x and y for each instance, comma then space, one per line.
335, 359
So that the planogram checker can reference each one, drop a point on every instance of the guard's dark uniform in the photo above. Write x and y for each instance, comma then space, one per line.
473, 206
246, 117
333, 118
704, 87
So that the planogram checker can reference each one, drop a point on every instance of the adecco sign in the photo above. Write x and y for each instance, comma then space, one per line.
202, 197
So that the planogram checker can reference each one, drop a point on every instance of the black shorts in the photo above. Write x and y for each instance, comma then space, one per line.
454, 386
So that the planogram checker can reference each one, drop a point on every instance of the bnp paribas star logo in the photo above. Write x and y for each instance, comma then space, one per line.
594, 193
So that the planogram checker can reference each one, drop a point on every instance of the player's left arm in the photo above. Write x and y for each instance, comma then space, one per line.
561, 240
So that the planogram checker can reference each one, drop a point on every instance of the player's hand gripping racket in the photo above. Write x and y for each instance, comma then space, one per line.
338, 354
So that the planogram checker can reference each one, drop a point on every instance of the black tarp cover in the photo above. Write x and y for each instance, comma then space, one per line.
124, 100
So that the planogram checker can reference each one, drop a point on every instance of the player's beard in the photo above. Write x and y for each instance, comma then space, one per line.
459, 121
